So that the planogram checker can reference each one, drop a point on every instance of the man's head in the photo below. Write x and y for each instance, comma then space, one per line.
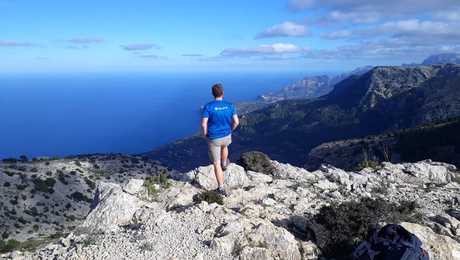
218, 90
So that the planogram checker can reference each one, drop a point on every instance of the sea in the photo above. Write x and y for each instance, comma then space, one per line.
71, 114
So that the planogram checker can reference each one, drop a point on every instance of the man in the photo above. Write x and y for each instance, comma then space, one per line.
219, 120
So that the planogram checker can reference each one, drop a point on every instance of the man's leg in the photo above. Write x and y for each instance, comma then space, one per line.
218, 173
215, 154
224, 155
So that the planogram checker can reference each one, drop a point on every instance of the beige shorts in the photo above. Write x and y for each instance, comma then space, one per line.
216, 145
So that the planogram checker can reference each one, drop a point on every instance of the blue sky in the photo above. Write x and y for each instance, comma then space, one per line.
199, 36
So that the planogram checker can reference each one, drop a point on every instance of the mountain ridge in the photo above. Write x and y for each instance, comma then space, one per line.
385, 98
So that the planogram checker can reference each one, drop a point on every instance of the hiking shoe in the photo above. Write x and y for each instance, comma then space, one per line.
221, 191
225, 164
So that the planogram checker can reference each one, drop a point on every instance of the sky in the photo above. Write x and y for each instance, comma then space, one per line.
55, 36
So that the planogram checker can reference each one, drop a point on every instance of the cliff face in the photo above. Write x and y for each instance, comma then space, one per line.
311, 87
385, 98
453, 58
279, 213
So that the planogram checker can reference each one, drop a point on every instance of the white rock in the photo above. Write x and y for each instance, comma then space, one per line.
114, 208
134, 186
309, 250
234, 177
258, 177
439, 247
278, 241
326, 185
429, 171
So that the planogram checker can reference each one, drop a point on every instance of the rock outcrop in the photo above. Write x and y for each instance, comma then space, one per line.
264, 217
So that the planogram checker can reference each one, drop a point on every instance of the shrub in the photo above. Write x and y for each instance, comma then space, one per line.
90, 183
350, 222
10, 160
368, 164
9, 245
160, 180
78, 196
46, 185
21, 186
9, 173
147, 246
61, 177
257, 162
209, 197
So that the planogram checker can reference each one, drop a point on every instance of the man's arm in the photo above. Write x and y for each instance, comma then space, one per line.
204, 126
236, 122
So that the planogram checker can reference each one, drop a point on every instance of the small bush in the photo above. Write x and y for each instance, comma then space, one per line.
160, 180
9, 173
147, 246
10, 160
61, 177
368, 164
257, 162
90, 183
21, 186
9, 245
349, 222
45, 186
209, 197
78, 196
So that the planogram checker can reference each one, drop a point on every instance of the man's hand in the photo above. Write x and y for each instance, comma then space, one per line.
236, 122
204, 126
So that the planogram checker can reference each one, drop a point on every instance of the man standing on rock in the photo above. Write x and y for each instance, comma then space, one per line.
219, 120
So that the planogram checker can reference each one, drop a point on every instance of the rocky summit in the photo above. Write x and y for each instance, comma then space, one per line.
280, 212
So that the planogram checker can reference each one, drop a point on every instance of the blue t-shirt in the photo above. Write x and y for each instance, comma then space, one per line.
219, 114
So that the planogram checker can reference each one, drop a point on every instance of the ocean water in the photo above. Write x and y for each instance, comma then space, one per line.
42, 115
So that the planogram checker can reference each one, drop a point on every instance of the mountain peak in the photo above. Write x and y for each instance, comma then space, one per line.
443, 58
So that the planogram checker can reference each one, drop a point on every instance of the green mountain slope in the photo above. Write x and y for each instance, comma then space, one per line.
385, 98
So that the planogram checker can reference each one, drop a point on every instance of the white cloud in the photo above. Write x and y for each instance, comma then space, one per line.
336, 35
416, 26
297, 5
139, 46
263, 50
86, 40
8, 43
286, 29
351, 16
387, 6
